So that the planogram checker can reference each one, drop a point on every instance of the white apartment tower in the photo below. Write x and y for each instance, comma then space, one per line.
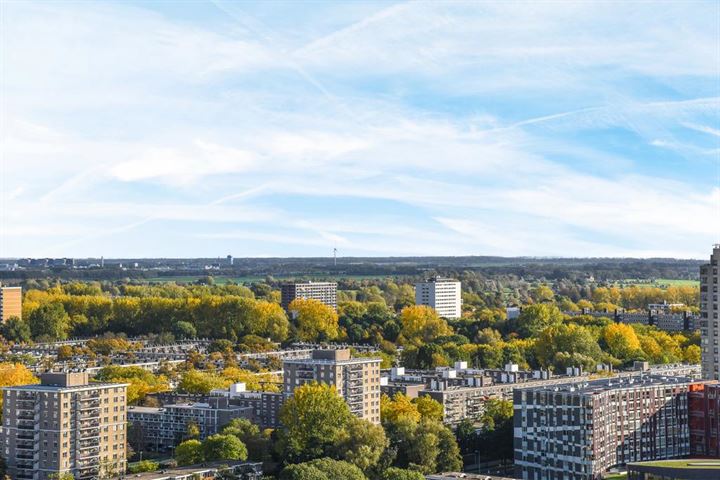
709, 316
442, 294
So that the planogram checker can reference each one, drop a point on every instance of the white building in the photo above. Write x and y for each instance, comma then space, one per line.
442, 294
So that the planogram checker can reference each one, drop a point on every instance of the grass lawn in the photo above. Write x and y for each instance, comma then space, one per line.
617, 476
658, 283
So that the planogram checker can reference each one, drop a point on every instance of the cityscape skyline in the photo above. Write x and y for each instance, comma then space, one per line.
273, 129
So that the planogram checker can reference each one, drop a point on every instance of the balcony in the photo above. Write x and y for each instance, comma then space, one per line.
89, 433
25, 405
88, 453
88, 443
83, 424
89, 404
26, 425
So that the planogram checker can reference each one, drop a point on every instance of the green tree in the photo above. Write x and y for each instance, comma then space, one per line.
570, 339
535, 318
184, 329
199, 382
16, 330
394, 473
311, 421
49, 320
322, 469
361, 443
143, 466
224, 447
189, 452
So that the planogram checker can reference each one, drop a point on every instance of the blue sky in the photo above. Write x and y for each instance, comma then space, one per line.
207, 128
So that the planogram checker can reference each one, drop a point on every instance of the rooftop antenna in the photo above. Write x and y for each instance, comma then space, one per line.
335, 256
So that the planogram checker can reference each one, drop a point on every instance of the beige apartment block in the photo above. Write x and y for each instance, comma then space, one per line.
357, 380
709, 312
64, 426
10, 303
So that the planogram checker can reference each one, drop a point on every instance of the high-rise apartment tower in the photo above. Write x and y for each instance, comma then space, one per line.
709, 283
64, 426
10, 303
442, 294
357, 379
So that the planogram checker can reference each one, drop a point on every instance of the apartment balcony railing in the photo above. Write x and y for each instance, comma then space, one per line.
26, 425
89, 432
88, 443
88, 424
25, 405
89, 453
89, 404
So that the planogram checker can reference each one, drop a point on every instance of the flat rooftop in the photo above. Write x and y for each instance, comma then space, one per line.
172, 473
592, 387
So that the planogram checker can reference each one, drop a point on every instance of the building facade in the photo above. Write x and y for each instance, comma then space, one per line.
709, 311
325, 292
580, 431
64, 426
442, 294
704, 405
357, 380
10, 303
161, 429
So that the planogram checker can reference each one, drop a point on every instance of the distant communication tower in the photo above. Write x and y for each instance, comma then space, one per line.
335, 257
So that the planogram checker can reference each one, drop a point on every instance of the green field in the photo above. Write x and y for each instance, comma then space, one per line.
658, 283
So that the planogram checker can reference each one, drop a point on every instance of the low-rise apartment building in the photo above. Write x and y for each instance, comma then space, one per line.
161, 429
64, 426
580, 431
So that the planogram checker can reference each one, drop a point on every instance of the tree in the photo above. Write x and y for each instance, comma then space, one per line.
49, 320
397, 408
421, 324
361, 443
184, 329
224, 447
535, 318
570, 339
16, 330
311, 421
189, 452
12, 374
394, 473
143, 466
258, 444
692, 354
621, 340
322, 469
142, 382
315, 320
429, 408
199, 382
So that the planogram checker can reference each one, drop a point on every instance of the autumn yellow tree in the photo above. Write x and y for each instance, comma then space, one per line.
12, 374
315, 320
621, 340
421, 324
